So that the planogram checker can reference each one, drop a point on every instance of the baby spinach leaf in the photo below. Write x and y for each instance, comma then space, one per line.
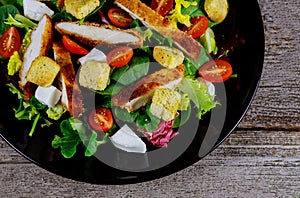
146, 120
111, 90
182, 118
4, 2
4, 13
137, 68
124, 115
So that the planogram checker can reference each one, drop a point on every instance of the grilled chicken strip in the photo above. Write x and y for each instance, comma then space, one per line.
140, 93
71, 95
93, 34
153, 20
41, 41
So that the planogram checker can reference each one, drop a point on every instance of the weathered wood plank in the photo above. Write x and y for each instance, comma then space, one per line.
247, 164
277, 102
211, 177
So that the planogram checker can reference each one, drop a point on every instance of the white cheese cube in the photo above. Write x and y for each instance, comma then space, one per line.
48, 95
35, 10
95, 55
125, 139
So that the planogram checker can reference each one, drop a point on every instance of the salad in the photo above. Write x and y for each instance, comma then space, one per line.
125, 72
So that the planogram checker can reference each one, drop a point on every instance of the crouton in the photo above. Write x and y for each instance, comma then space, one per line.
94, 75
167, 56
216, 10
43, 71
80, 9
165, 103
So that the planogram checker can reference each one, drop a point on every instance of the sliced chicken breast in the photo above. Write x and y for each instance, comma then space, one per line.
71, 95
93, 34
153, 20
41, 41
140, 93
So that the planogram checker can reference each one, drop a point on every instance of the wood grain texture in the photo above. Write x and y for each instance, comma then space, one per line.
260, 159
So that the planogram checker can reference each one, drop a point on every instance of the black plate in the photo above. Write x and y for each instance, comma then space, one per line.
243, 23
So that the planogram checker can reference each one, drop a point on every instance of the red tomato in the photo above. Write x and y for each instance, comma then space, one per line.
216, 71
73, 47
101, 119
162, 7
9, 42
120, 56
119, 17
60, 3
198, 26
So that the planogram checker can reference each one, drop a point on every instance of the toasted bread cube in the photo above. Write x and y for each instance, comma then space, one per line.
167, 56
216, 10
165, 103
94, 75
81, 9
43, 71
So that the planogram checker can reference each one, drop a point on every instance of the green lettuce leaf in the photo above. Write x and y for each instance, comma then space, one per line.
197, 92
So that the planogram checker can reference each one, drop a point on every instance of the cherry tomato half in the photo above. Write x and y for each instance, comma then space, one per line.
60, 3
199, 25
119, 17
120, 56
101, 119
9, 42
216, 71
162, 7
73, 47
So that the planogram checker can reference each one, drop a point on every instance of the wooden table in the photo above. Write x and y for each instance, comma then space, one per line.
260, 159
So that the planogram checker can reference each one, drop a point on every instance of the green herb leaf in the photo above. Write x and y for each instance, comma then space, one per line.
70, 140
93, 144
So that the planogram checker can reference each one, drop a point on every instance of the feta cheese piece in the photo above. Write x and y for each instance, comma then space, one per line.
94, 54
35, 10
94, 75
125, 139
48, 95
64, 93
165, 103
